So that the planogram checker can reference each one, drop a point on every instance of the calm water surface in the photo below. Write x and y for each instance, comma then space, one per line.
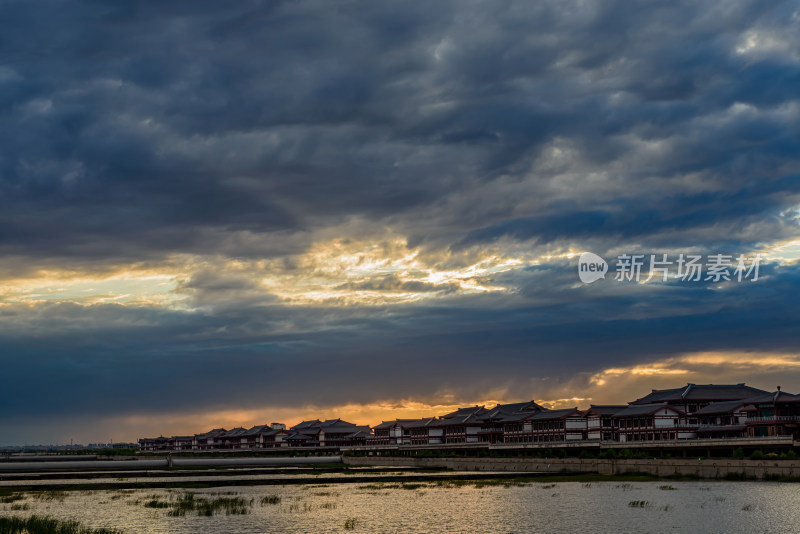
537, 507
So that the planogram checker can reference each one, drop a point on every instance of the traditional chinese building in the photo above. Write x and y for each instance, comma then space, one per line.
774, 414
207, 440
689, 412
692, 397
392, 432
600, 421
421, 432
232, 439
724, 419
264, 437
651, 422
505, 423
556, 425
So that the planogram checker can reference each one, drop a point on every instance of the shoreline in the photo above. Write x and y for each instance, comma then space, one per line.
453, 479
700, 468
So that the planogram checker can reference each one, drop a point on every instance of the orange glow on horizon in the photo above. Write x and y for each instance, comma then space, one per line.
617, 385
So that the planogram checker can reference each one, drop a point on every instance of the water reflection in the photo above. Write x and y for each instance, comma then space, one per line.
442, 507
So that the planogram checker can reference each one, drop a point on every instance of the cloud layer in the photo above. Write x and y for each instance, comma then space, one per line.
207, 208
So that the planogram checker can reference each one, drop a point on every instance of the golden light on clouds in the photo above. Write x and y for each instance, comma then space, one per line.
623, 384
744, 360
697, 363
374, 271
131, 287
369, 271
783, 251
571, 402
602, 377
380, 272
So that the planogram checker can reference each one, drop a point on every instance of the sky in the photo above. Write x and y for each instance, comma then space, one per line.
228, 214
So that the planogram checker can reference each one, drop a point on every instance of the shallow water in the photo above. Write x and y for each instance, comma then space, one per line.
124, 479
536, 507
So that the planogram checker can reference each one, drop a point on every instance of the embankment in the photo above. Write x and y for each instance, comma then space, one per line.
164, 462
700, 468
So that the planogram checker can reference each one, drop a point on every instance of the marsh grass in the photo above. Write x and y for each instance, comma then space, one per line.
208, 507
351, 523
667, 487
50, 495
378, 487
156, 503
45, 525
444, 483
297, 508
188, 503
639, 504
270, 499
483, 483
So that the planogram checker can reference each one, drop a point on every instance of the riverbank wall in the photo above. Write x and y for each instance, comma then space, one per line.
696, 467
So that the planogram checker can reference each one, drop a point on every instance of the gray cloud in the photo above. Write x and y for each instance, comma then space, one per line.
134, 134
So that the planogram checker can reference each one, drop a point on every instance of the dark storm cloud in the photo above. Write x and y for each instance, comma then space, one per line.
137, 130
754, 202
131, 132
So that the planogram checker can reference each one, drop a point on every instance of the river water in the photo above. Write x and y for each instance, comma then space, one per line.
412, 508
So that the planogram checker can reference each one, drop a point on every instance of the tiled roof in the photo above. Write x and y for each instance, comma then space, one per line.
261, 429
211, 433
721, 407
334, 422
458, 420
306, 424
384, 425
514, 417
777, 396
471, 410
504, 412
700, 392
342, 429
389, 424
234, 432
329, 425
606, 409
419, 423
553, 414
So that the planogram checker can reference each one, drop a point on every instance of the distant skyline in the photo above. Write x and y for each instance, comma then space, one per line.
229, 215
